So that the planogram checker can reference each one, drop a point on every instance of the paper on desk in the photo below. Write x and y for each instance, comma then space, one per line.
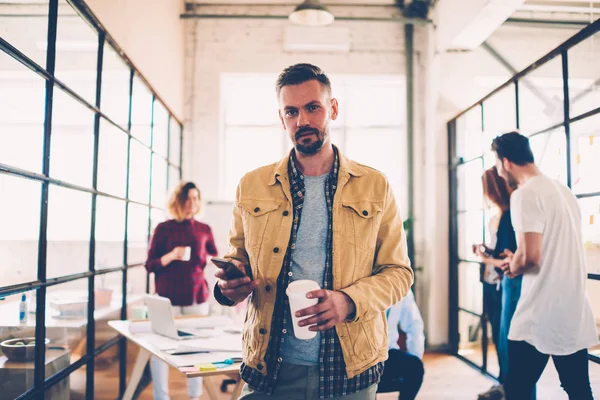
201, 358
221, 343
215, 321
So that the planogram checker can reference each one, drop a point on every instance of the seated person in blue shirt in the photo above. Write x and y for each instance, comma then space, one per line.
404, 369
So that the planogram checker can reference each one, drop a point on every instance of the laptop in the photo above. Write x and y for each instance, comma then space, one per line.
162, 322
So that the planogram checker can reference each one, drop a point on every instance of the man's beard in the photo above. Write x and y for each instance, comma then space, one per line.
512, 182
311, 147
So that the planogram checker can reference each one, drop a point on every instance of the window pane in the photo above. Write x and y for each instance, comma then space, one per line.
19, 229
175, 142
139, 169
115, 87
364, 146
469, 287
255, 146
109, 295
141, 111
173, 178
590, 221
585, 155
137, 233
375, 102
159, 181
136, 283
22, 101
112, 159
249, 99
541, 98
549, 150
469, 187
66, 320
584, 81
14, 382
68, 232
160, 130
468, 135
106, 370
470, 232
72, 143
110, 232
15, 16
76, 53
156, 217
469, 328
499, 116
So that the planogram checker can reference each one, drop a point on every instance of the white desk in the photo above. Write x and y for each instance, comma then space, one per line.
147, 349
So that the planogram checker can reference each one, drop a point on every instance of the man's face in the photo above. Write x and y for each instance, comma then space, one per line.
305, 111
503, 167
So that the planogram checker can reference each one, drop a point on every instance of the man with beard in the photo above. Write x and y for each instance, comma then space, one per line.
315, 215
553, 316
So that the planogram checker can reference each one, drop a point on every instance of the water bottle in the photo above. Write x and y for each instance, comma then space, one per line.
23, 310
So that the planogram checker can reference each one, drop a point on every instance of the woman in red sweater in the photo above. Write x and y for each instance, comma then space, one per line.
177, 256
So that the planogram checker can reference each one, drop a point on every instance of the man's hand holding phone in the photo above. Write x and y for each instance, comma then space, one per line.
233, 279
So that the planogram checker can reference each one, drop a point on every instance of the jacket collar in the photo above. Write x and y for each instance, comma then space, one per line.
347, 166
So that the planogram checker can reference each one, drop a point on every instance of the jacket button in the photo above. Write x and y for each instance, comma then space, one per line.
276, 250
259, 367
365, 213
279, 359
286, 213
268, 288
256, 209
262, 331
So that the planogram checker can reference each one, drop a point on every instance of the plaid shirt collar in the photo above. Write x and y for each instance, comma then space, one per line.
333, 381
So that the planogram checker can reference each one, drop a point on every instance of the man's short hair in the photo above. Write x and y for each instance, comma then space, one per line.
514, 147
300, 73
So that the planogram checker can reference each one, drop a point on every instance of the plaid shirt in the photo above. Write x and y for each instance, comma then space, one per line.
333, 381
181, 281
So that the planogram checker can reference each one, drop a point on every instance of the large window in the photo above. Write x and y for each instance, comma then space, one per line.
372, 112
565, 138
84, 172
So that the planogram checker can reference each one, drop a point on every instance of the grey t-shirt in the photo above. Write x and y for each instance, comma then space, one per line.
308, 262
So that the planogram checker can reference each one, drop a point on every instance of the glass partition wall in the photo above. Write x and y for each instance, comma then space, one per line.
556, 103
87, 153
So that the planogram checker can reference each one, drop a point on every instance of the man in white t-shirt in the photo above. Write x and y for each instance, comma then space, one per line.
553, 316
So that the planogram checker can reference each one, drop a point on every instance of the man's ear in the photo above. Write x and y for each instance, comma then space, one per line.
334, 109
281, 119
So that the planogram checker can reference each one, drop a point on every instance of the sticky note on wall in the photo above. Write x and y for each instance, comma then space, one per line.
592, 219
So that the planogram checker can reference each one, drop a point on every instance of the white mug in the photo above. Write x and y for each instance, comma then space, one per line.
187, 254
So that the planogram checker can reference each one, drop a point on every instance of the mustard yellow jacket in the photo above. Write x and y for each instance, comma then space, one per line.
369, 257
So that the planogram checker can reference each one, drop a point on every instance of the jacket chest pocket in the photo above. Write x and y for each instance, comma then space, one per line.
361, 222
256, 216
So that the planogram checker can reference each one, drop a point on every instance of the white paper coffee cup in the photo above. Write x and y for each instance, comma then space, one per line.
187, 254
296, 292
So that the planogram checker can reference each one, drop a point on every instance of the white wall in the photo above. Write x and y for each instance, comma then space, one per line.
152, 36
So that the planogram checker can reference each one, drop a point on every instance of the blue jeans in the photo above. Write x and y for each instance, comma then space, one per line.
511, 292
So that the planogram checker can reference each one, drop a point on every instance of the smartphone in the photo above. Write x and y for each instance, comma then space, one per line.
486, 251
232, 271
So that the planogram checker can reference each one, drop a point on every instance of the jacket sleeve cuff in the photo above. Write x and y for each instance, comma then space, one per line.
154, 265
221, 299
358, 312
